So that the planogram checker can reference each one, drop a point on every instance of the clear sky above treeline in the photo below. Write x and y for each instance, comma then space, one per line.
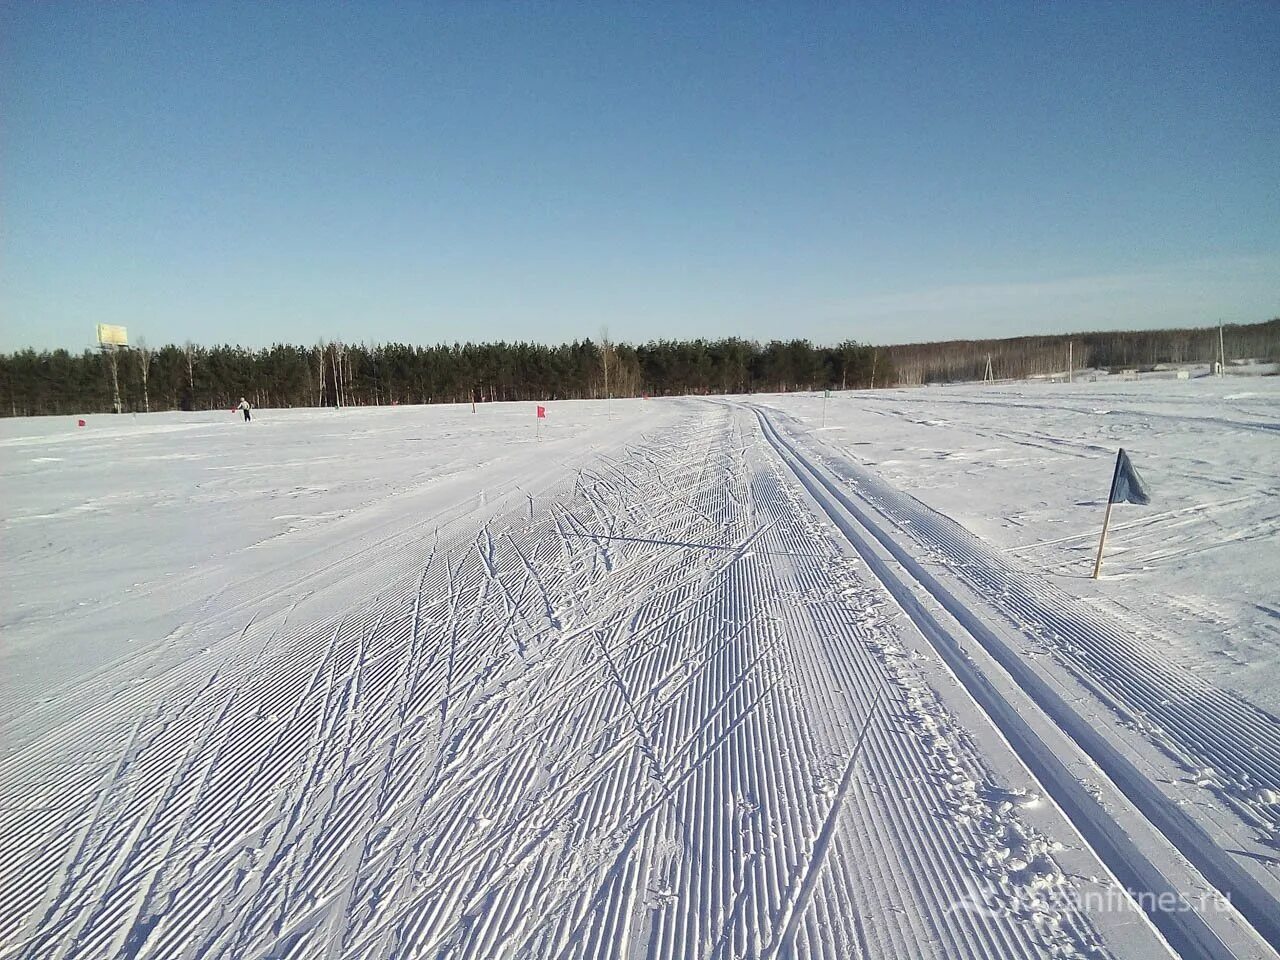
449, 171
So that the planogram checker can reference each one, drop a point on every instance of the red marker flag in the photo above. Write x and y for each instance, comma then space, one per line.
542, 413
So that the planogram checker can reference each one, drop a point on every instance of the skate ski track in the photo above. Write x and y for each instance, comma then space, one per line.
698, 696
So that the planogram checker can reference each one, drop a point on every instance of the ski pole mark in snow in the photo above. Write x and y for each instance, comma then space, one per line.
794, 908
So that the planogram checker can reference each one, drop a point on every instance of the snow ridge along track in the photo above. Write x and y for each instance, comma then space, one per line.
1142, 865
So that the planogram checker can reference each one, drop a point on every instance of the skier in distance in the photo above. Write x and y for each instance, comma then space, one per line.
244, 406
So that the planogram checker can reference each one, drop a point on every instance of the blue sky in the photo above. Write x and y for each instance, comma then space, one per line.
435, 172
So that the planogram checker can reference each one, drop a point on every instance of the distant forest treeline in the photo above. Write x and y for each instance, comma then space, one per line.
331, 374
1020, 357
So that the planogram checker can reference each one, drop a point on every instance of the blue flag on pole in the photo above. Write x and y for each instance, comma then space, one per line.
1126, 485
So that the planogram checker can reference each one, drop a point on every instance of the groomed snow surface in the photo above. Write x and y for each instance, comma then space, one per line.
716, 677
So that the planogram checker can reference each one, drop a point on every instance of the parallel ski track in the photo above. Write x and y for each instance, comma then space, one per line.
919, 824
1201, 726
542, 736
1254, 900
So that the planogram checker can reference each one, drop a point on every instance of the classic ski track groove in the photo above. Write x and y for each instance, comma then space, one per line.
905, 575
1198, 725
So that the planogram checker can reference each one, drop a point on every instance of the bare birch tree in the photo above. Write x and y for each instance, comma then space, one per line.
317, 354
336, 351
189, 352
606, 351
144, 354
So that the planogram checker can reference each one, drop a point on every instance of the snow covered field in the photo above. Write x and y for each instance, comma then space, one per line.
685, 678
1026, 468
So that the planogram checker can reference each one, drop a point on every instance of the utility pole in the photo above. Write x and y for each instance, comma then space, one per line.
1222, 352
113, 360
988, 376
1071, 366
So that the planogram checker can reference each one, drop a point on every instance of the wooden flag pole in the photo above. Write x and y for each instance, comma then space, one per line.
1102, 541
1106, 520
